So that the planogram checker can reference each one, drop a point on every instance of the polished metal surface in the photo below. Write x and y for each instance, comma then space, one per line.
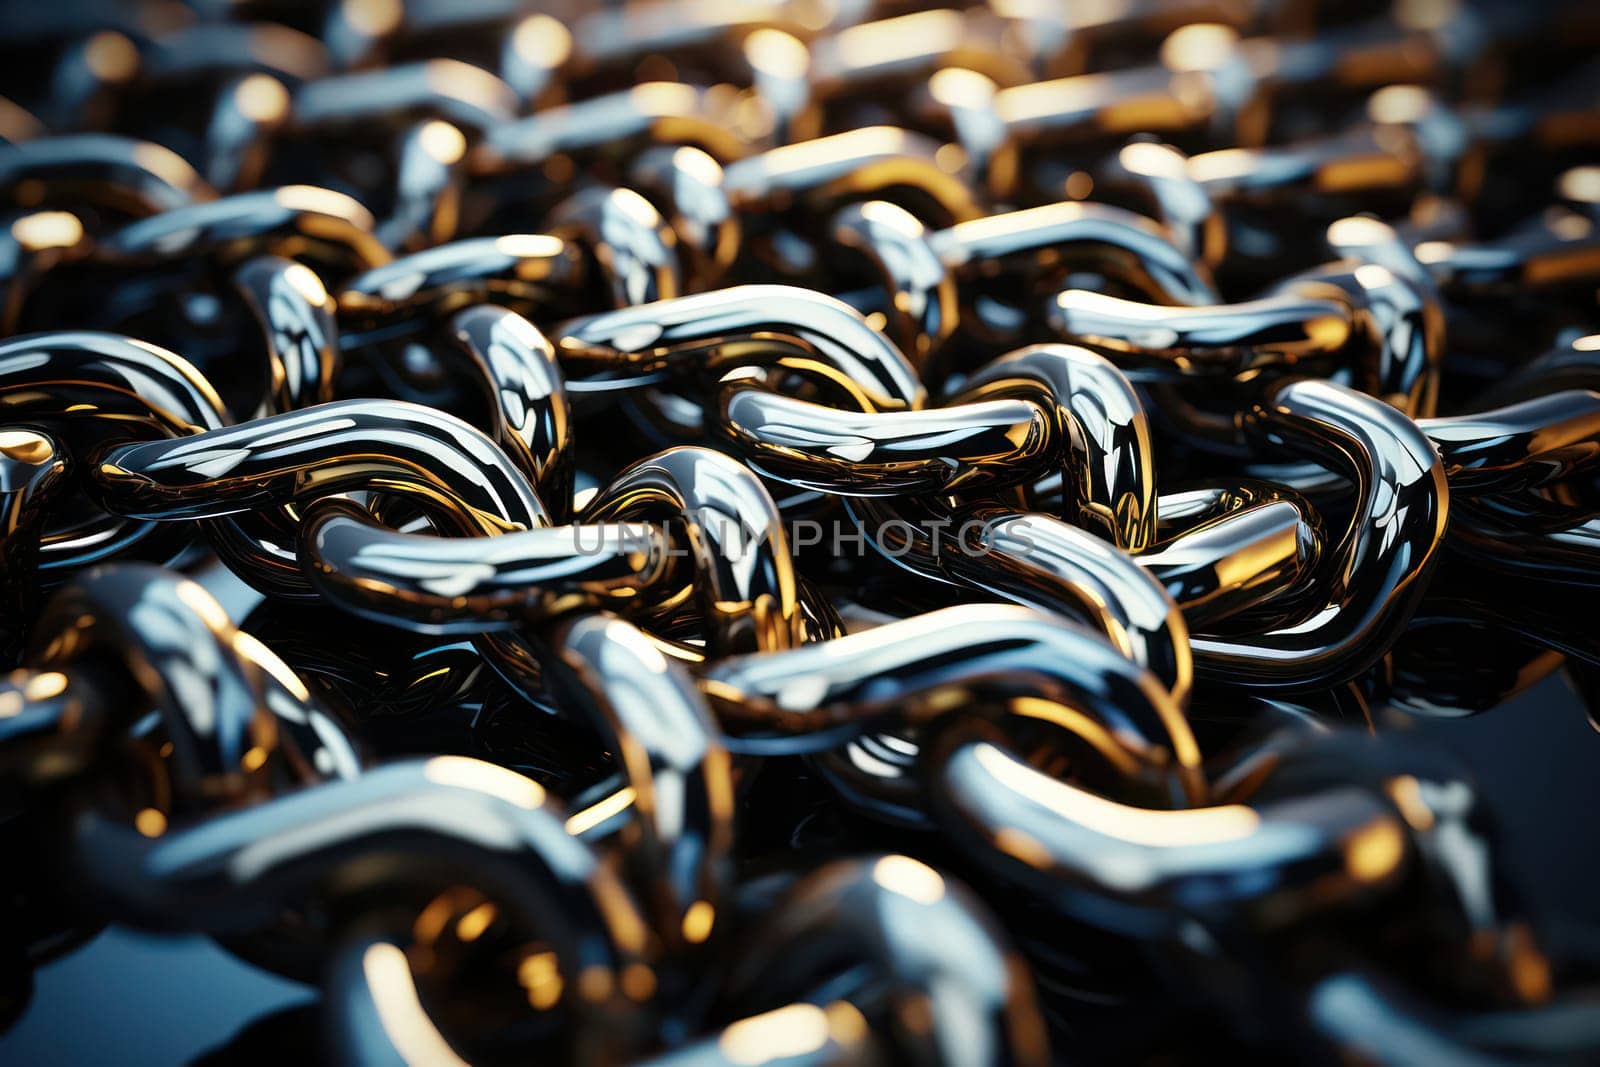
851, 532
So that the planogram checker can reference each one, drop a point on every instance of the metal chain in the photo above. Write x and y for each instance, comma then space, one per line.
695, 467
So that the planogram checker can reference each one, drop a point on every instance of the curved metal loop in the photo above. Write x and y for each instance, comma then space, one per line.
922, 311
1157, 176
1542, 253
1520, 446
1151, 342
973, 446
429, 174
112, 374
1142, 871
680, 787
611, 41
451, 469
1036, 560
918, 669
867, 163
33, 472
744, 578
651, 112
474, 585
1264, 553
893, 56
185, 53
1043, 562
711, 333
1114, 104
327, 228
635, 248
296, 316
1379, 312
1361, 160
1050, 240
520, 271
922, 934
373, 1013
1401, 326
100, 380
242, 726
1107, 470
686, 183
452, 472
529, 413
456, 818
447, 89
1374, 576
130, 178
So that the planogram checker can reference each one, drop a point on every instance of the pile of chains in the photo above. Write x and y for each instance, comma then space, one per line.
686, 478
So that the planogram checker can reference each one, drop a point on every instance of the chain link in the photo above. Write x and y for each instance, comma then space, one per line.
708, 596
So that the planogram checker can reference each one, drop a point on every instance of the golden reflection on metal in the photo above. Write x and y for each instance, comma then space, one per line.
582, 822
471, 926
542, 39
796, 1030
1199, 46
262, 98
47, 229
1157, 829
1407, 794
777, 52
372, 17
698, 921
1374, 853
443, 141
912, 195
111, 56
540, 975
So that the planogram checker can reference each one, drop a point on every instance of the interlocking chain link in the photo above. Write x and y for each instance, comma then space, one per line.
684, 477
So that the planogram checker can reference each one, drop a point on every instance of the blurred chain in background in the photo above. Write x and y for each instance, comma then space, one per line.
683, 477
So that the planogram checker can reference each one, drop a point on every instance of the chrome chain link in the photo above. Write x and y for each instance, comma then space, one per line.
683, 477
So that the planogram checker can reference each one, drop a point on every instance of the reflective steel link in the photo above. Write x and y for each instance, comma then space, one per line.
817, 532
